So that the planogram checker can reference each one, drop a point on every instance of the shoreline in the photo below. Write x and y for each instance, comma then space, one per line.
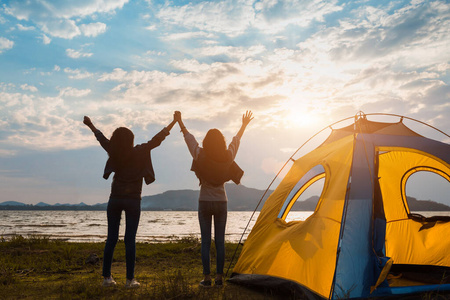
102, 239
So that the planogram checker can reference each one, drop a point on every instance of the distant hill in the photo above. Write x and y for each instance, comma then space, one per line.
171, 200
414, 205
306, 205
12, 203
44, 206
240, 198
426, 205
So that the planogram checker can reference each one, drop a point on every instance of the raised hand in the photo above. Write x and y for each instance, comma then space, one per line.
177, 116
87, 121
247, 117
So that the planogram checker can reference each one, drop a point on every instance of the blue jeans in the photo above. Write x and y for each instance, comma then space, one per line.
207, 209
132, 208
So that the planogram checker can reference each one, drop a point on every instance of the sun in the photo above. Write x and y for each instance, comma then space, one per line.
299, 115
301, 119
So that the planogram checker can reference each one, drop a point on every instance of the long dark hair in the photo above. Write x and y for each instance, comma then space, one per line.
215, 146
122, 143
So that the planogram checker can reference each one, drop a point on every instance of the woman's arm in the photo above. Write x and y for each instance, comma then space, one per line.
171, 124
246, 118
104, 142
190, 140
87, 121
234, 145
160, 136
180, 122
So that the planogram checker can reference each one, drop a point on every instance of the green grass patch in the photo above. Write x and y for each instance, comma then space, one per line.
40, 268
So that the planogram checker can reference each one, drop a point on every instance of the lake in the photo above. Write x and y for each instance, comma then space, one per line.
154, 226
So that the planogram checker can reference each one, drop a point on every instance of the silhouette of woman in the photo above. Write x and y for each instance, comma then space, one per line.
130, 165
214, 165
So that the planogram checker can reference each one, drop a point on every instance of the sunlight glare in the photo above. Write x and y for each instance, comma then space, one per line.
301, 119
299, 115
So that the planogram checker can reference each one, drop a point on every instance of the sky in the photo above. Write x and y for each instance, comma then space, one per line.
297, 65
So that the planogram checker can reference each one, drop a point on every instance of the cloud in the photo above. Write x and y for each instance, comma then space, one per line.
93, 29
27, 87
46, 40
203, 91
77, 74
7, 153
136, 77
282, 84
59, 18
73, 92
6, 86
5, 44
233, 18
240, 53
149, 56
151, 27
35, 9
345, 66
188, 35
413, 36
156, 53
275, 16
354, 63
333, 72
25, 28
225, 16
61, 28
77, 54
190, 65
35, 122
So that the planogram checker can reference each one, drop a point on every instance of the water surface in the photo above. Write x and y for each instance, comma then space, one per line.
154, 226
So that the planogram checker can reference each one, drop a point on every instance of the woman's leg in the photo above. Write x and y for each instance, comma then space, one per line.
113, 213
132, 215
220, 223
205, 218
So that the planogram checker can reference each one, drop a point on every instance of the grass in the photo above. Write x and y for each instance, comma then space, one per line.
39, 268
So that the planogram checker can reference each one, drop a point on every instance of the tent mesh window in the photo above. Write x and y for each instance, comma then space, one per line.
423, 173
313, 180
413, 206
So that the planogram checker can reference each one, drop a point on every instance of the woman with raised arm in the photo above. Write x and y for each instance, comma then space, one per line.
130, 165
214, 165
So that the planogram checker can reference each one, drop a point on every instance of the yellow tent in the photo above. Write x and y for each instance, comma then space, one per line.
361, 225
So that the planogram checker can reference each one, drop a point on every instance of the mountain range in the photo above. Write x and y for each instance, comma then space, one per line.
240, 198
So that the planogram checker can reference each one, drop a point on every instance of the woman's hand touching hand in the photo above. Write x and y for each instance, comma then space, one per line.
177, 116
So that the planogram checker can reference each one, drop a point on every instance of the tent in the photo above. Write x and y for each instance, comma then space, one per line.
362, 240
